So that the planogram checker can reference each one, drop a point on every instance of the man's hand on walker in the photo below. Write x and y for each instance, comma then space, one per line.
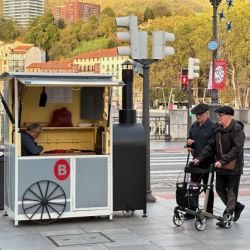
217, 164
195, 161
190, 142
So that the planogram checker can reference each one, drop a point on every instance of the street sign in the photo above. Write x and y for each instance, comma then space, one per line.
212, 45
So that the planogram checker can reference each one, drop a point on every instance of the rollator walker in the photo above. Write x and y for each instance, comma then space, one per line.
187, 196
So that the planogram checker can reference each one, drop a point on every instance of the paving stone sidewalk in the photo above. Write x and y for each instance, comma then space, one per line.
157, 231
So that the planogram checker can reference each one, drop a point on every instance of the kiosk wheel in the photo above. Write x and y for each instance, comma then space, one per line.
44, 202
128, 212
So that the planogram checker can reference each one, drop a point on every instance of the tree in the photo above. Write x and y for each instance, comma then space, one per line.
234, 47
161, 9
106, 27
148, 14
60, 23
65, 45
108, 11
42, 32
89, 30
8, 31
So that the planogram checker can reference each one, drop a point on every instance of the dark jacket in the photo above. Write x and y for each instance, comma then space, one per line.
29, 146
232, 140
201, 135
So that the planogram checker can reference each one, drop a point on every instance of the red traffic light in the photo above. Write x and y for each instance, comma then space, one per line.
184, 79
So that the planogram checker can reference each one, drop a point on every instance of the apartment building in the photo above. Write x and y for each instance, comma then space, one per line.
22, 56
52, 67
74, 10
106, 61
5, 49
23, 11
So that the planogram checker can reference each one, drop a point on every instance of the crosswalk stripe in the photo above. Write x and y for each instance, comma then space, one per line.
164, 153
165, 164
168, 158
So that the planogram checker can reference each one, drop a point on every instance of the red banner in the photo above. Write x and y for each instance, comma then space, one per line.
219, 76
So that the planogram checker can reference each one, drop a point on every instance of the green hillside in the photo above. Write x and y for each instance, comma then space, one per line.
135, 6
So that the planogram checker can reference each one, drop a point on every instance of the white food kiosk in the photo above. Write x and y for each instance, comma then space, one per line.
72, 177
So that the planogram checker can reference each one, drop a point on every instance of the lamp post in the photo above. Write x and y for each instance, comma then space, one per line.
214, 92
145, 121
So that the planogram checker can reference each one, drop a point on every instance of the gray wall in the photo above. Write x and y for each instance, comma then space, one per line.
178, 123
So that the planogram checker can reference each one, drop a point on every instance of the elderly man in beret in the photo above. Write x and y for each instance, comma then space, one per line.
199, 135
227, 144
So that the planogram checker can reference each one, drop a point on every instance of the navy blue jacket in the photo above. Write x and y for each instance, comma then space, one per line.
201, 134
29, 146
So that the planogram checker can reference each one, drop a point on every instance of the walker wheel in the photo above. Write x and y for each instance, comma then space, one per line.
200, 222
44, 202
228, 220
178, 218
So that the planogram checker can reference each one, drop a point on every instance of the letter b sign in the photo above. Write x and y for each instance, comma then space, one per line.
62, 170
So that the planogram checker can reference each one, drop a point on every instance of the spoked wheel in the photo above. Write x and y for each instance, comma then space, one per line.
227, 220
178, 218
128, 212
200, 222
44, 202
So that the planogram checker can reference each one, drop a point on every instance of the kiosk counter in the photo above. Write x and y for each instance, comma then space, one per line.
72, 177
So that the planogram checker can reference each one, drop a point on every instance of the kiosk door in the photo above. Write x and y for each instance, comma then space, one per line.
91, 187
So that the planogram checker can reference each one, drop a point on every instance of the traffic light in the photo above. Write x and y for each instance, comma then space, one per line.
193, 68
143, 44
159, 48
184, 79
132, 36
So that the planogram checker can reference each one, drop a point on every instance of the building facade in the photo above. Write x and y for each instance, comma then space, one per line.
5, 49
105, 61
52, 67
23, 11
74, 10
22, 56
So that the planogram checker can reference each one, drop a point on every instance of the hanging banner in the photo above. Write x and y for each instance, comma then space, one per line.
219, 79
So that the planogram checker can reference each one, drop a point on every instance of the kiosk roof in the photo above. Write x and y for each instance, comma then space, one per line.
63, 79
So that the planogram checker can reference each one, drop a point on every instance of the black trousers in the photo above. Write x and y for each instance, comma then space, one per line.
227, 187
204, 179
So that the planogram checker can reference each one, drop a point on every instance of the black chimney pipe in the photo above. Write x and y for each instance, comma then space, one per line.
127, 114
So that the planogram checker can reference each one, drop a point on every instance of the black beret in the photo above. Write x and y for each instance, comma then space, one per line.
225, 110
200, 108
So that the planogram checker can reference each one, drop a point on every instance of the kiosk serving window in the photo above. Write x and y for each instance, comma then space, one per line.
87, 101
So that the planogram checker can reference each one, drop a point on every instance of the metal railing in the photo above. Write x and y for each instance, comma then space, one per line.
159, 126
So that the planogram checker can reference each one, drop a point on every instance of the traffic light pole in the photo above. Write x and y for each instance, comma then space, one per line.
189, 118
145, 121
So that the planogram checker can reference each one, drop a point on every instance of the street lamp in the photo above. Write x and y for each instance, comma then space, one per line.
214, 92
215, 4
